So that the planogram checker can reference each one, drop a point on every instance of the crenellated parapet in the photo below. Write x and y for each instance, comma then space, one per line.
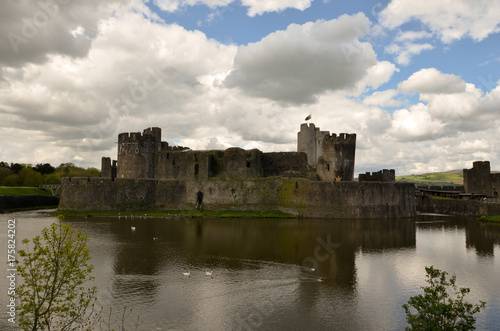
136, 153
144, 155
337, 158
342, 138
480, 180
385, 175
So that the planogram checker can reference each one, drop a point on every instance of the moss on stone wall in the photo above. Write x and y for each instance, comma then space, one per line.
295, 196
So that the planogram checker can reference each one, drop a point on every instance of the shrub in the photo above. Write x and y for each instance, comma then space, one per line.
436, 310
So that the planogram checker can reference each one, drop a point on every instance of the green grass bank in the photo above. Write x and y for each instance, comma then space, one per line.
176, 213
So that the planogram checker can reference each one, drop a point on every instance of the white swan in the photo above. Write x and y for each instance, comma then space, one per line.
187, 273
209, 273
132, 228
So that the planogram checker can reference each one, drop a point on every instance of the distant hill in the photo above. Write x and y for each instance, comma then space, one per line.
452, 177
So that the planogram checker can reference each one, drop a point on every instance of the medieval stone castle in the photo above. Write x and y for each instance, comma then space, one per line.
315, 181
146, 156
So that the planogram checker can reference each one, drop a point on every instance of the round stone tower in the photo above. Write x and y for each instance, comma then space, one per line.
137, 153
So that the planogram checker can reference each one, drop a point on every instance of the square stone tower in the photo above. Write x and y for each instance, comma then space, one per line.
310, 141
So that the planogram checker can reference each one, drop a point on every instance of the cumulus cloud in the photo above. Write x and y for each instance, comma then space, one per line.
298, 64
474, 146
127, 70
255, 7
404, 52
431, 80
377, 75
450, 20
259, 7
173, 5
33, 30
412, 35
80, 105
415, 124
383, 99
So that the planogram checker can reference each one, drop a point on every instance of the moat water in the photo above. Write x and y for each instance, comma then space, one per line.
262, 279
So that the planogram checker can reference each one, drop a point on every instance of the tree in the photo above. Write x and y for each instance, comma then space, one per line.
51, 179
30, 177
436, 310
53, 295
11, 180
16, 167
44, 169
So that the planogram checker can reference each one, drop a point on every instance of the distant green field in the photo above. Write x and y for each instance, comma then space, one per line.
454, 177
7, 190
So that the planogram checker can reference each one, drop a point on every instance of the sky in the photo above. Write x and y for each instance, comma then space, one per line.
417, 81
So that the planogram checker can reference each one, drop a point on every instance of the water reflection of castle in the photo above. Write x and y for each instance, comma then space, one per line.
329, 247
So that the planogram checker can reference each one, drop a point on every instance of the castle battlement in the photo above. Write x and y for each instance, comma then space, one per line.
342, 138
384, 175
134, 137
480, 180
144, 155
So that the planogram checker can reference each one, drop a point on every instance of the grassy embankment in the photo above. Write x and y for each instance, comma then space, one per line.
453, 177
177, 213
489, 219
9, 190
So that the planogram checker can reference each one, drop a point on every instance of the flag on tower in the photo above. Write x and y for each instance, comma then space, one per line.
308, 117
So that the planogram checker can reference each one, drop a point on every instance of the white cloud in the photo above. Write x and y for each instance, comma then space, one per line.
300, 63
406, 51
69, 103
383, 99
449, 19
259, 7
32, 30
412, 35
255, 7
131, 79
415, 124
378, 74
431, 80
173, 5
474, 146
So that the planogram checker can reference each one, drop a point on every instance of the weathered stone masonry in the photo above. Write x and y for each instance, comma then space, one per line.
315, 181
297, 196
480, 180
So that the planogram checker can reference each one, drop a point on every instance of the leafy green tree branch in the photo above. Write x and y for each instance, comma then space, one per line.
436, 309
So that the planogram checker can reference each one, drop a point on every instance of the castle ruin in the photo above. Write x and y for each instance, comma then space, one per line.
315, 182
146, 156
480, 180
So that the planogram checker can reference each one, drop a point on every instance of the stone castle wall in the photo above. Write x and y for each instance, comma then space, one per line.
337, 159
480, 180
385, 175
297, 196
136, 155
426, 204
